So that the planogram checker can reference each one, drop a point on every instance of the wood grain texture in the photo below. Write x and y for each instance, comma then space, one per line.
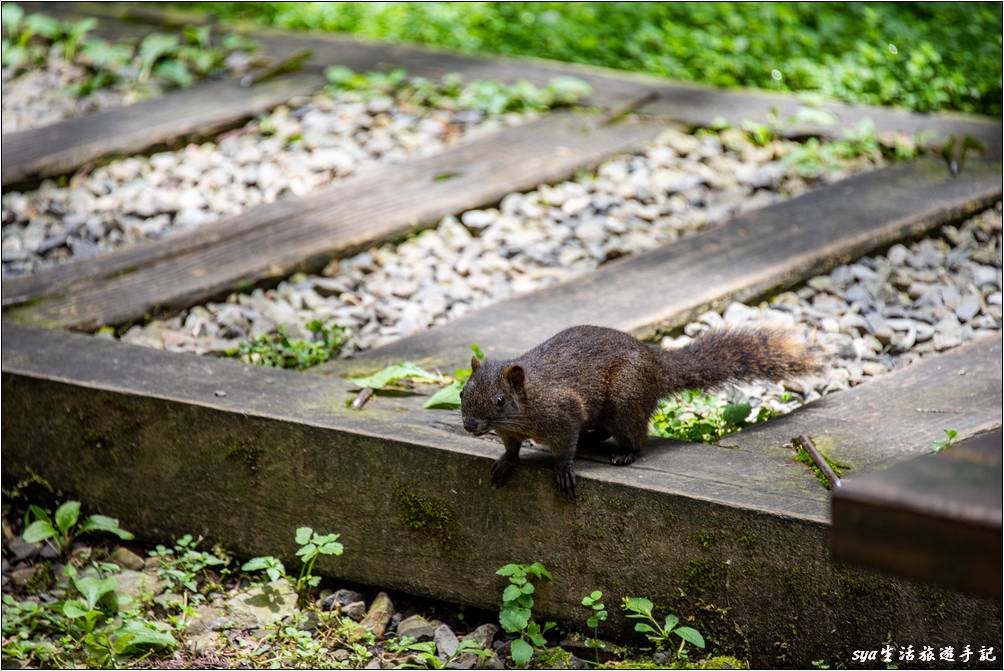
935, 518
273, 240
767, 249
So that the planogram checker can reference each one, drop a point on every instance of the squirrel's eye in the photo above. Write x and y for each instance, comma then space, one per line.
499, 401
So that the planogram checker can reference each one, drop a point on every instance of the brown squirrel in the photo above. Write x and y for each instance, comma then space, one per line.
590, 383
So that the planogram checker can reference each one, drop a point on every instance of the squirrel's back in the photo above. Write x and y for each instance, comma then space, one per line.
594, 358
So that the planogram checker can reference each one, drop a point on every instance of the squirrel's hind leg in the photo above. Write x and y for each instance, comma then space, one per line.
629, 430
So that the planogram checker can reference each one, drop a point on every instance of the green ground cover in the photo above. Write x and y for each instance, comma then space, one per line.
922, 56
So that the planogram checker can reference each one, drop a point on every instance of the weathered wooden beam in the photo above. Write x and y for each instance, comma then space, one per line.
270, 241
203, 109
736, 538
934, 519
764, 250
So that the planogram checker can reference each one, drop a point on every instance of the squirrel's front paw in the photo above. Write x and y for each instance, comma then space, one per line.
564, 475
502, 469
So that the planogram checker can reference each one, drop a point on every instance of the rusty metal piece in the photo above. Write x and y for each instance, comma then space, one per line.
810, 447
361, 398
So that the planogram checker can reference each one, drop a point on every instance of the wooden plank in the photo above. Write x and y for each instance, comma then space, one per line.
895, 418
203, 109
936, 518
689, 526
693, 105
273, 240
775, 247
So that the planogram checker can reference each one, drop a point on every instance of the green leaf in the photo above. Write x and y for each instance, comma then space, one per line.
477, 351
539, 570
94, 589
198, 35
153, 47
268, 564
307, 551
527, 588
405, 370
67, 515
509, 569
690, 636
234, 41
103, 54
40, 24
511, 593
568, 90
74, 609
40, 514
332, 548
736, 413
10, 16
644, 628
137, 635
38, 531
535, 635
521, 652
638, 604
14, 56
671, 621
175, 72
447, 398
338, 74
107, 524
514, 620
303, 535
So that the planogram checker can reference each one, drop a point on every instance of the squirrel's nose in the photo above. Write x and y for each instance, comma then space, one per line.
470, 424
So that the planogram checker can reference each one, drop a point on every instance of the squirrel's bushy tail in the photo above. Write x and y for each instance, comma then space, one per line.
736, 355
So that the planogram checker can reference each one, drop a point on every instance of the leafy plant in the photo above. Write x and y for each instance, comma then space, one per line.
427, 653
516, 613
598, 613
946, 442
170, 58
86, 630
62, 528
184, 566
697, 417
312, 545
660, 633
490, 97
278, 350
273, 568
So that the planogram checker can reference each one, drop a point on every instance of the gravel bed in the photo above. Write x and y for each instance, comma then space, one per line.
44, 95
678, 185
307, 143
880, 313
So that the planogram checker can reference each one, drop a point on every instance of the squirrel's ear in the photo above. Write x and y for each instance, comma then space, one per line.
515, 376
475, 363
